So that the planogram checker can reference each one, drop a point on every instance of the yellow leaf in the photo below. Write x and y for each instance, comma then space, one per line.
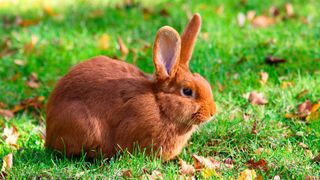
208, 173
248, 174
103, 42
7, 162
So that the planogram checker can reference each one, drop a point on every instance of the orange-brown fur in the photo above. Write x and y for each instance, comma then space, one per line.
104, 105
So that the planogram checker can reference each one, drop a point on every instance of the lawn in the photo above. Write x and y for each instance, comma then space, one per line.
40, 41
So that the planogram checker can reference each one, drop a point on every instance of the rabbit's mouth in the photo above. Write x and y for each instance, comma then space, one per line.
197, 118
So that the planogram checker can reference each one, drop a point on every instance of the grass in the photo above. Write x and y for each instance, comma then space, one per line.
71, 37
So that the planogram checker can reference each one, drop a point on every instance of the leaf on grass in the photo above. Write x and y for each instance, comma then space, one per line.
302, 94
35, 103
19, 62
248, 174
209, 173
6, 113
185, 168
48, 10
289, 10
314, 115
104, 42
263, 77
220, 10
274, 60
96, 13
228, 163
276, 177
33, 81
220, 87
258, 151
200, 162
305, 107
254, 128
28, 48
250, 15
164, 12
5, 48
286, 84
262, 21
26, 22
155, 175
261, 164
11, 135
274, 11
257, 99
126, 173
316, 159
7, 162
123, 48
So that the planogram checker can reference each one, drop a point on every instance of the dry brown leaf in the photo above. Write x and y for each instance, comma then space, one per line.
127, 173
302, 93
123, 48
7, 162
314, 115
274, 60
228, 163
164, 13
241, 19
185, 168
289, 10
263, 77
316, 159
254, 128
246, 116
200, 162
248, 174
11, 135
26, 22
262, 21
209, 173
33, 81
155, 175
19, 62
274, 11
104, 42
258, 151
257, 99
220, 87
305, 107
28, 48
35, 103
6, 113
250, 15
261, 164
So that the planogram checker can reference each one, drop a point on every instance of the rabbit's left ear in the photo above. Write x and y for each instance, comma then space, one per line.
166, 52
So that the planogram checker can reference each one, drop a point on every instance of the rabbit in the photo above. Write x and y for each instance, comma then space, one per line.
103, 106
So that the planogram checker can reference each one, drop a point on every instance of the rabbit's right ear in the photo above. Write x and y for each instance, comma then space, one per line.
166, 52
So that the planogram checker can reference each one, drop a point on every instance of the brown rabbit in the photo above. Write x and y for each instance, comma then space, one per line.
104, 105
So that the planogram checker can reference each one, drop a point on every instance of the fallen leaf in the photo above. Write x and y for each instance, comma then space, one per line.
28, 48
250, 15
8, 114
273, 60
289, 9
33, 81
316, 159
185, 168
261, 164
220, 87
96, 13
7, 162
262, 21
258, 151
164, 13
254, 128
312, 177
123, 48
19, 62
241, 19
35, 103
127, 173
286, 84
314, 115
228, 163
26, 22
274, 11
48, 10
302, 93
257, 99
248, 174
305, 107
103, 41
155, 175
246, 116
146, 13
263, 77
10, 135
200, 162
5, 48
209, 173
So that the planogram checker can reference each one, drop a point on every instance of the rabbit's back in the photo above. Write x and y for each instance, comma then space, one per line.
80, 108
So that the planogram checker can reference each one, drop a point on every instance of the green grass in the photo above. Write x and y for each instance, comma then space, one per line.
72, 36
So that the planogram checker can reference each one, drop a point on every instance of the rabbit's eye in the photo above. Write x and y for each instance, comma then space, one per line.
187, 92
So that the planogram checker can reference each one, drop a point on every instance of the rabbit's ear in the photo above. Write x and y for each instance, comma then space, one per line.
166, 52
188, 39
